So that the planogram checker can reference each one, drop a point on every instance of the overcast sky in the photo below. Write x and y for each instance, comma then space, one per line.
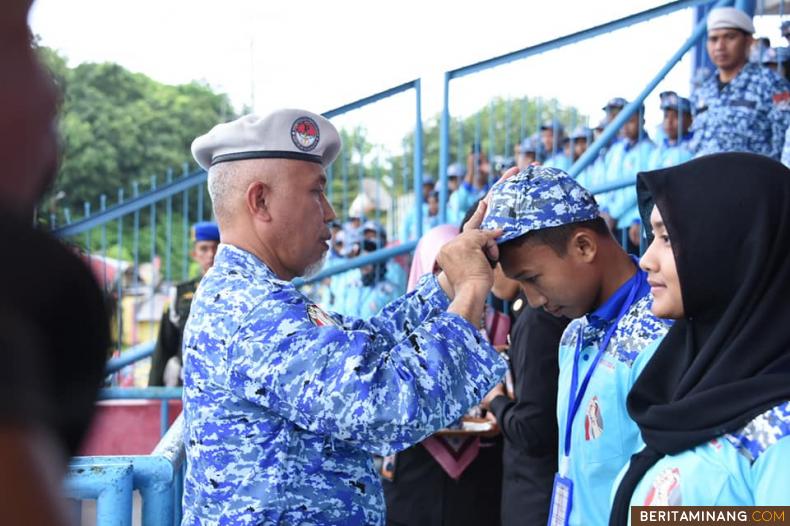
319, 55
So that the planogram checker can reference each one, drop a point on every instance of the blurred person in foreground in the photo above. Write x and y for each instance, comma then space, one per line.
54, 327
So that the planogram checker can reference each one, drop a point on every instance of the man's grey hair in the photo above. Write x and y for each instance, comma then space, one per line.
226, 185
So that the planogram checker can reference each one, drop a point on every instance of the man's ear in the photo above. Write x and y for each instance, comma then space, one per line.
583, 245
258, 200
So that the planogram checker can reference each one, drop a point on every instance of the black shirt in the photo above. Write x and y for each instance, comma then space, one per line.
529, 423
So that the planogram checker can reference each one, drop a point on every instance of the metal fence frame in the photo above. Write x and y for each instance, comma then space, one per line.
111, 480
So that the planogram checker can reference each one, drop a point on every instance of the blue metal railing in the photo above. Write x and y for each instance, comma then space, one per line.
611, 129
543, 47
112, 479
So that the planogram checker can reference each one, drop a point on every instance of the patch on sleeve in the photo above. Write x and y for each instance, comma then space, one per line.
319, 317
781, 99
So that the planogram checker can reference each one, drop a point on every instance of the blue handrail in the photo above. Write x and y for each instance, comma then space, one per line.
549, 45
155, 476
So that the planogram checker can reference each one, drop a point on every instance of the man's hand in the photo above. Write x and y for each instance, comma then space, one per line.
466, 266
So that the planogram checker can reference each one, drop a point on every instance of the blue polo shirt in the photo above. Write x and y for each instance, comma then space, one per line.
603, 437
750, 467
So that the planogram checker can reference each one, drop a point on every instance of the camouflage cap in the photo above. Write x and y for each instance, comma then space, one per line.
536, 198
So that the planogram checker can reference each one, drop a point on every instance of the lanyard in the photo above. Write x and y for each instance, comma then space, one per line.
574, 402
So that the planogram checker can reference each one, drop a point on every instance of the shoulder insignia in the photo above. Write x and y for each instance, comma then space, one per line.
319, 317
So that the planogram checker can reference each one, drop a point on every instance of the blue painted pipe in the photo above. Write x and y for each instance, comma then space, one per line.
136, 353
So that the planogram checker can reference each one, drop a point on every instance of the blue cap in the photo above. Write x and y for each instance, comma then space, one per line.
671, 101
552, 125
536, 198
456, 170
205, 231
428, 180
615, 102
374, 226
529, 145
581, 132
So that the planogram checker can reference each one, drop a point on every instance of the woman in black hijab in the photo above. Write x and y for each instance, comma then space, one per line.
712, 404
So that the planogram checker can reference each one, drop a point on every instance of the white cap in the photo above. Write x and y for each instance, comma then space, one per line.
730, 18
283, 134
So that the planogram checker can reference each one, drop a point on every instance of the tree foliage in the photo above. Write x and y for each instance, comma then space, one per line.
118, 127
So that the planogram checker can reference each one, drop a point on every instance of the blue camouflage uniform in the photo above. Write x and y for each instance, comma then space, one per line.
745, 468
749, 114
284, 404
603, 436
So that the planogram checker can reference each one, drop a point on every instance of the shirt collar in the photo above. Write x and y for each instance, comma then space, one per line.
607, 312
230, 257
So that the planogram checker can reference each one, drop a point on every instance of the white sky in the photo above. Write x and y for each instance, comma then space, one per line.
320, 55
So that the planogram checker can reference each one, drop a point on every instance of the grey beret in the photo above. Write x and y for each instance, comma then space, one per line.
730, 18
284, 134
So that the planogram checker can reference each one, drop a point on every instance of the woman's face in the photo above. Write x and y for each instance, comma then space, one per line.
662, 274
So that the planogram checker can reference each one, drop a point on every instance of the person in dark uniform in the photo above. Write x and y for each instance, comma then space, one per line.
166, 360
528, 420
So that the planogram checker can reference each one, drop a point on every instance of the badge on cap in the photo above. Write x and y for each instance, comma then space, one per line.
304, 134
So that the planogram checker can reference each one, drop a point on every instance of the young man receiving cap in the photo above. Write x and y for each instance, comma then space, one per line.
674, 147
166, 362
560, 250
284, 403
744, 107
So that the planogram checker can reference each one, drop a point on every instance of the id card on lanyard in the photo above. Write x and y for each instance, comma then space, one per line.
562, 493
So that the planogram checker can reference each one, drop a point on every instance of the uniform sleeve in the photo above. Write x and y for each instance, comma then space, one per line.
400, 317
361, 385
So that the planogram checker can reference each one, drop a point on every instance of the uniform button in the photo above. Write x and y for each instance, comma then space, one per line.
585, 357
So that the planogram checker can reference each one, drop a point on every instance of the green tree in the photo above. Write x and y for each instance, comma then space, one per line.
118, 127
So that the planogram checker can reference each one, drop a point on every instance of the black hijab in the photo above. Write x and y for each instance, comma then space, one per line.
728, 360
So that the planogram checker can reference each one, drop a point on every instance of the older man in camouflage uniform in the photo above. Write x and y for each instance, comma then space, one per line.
284, 403
744, 107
